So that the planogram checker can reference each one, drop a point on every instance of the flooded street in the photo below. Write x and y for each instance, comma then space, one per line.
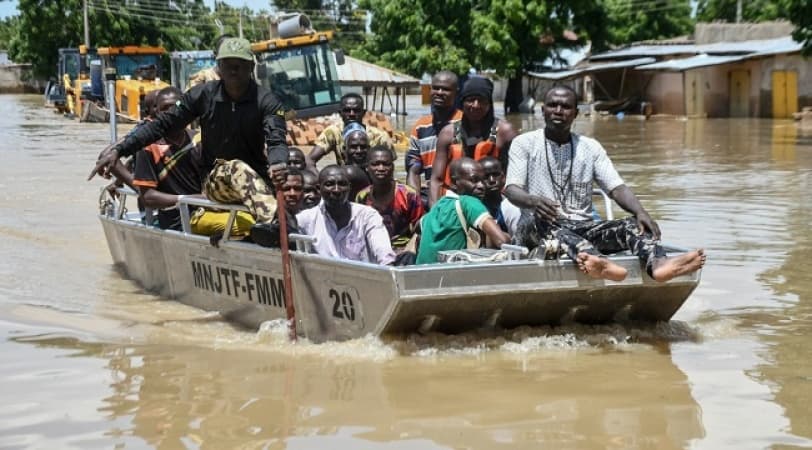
90, 361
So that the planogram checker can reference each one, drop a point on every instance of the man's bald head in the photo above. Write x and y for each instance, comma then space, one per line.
561, 89
466, 177
460, 166
332, 170
335, 186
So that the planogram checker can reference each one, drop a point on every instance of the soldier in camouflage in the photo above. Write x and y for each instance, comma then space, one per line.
243, 147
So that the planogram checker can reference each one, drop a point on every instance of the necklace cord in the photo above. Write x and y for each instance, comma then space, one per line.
560, 189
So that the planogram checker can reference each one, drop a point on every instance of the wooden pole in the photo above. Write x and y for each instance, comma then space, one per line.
286, 279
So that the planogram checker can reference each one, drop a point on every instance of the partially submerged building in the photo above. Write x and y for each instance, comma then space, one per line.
728, 70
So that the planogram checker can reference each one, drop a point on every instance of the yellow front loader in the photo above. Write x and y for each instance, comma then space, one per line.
138, 72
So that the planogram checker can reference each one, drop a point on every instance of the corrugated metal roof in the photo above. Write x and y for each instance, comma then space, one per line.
693, 62
646, 50
768, 47
764, 46
357, 72
788, 45
778, 45
589, 68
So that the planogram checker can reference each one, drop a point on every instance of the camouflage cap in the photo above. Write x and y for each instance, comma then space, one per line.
235, 48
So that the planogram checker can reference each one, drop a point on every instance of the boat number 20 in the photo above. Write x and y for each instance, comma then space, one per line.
343, 306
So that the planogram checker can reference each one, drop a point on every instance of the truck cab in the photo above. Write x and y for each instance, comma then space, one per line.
138, 71
187, 63
300, 68
72, 81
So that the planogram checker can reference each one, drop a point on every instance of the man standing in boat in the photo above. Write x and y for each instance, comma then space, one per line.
423, 140
551, 173
243, 134
477, 135
331, 140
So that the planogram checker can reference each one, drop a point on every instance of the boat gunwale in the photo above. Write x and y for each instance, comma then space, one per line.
255, 248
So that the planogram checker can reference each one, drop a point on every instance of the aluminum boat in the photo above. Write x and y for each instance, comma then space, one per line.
341, 299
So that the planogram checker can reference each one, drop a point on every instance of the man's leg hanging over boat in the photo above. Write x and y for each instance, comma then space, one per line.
589, 260
624, 234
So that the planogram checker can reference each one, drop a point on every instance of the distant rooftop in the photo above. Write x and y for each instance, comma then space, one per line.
777, 45
355, 72
676, 56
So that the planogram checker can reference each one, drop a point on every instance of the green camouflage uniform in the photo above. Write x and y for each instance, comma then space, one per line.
236, 182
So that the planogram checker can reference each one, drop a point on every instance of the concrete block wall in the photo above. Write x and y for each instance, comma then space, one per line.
18, 78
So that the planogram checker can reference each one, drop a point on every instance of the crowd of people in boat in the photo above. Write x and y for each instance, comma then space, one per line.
472, 180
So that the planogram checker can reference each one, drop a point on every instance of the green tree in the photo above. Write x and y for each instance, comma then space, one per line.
507, 36
510, 35
419, 36
800, 13
752, 10
8, 29
630, 21
47, 25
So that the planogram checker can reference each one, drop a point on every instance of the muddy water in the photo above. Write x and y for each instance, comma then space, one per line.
88, 360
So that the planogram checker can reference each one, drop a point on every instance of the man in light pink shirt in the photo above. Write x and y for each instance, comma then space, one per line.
342, 229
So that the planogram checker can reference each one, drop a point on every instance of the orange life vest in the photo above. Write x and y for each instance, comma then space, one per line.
481, 149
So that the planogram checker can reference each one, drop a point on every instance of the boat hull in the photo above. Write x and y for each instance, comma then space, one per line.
340, 299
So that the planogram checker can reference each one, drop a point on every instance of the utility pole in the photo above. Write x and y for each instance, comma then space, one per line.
738, 11
241, 24
87, 28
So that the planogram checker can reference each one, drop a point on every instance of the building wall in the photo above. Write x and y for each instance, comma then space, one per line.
17, 78
666, 90
794, 62
716, 81
666, 93
709, 33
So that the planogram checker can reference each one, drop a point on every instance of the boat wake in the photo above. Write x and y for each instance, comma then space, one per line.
525, 340
272, 336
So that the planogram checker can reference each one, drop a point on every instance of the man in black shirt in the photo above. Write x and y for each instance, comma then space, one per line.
239, 120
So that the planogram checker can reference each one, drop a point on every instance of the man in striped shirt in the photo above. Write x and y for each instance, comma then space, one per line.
551, 174
423, 139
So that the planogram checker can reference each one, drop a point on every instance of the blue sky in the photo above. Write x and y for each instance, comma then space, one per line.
9, 7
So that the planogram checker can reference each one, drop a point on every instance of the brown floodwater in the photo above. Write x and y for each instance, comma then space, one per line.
88, 360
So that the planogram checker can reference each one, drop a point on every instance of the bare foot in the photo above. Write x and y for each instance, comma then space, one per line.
601, 268
665, 269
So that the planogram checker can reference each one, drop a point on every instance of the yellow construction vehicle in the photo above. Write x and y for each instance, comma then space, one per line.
185, 64
138, 72
72, 82
298, 65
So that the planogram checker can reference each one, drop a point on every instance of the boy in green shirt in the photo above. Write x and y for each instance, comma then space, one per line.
441, 227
